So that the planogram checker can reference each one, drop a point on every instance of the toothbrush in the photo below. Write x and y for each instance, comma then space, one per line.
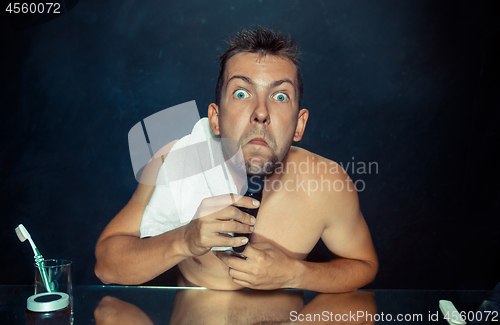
23, 234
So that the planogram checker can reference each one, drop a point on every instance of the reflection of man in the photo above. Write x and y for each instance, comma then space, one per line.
258, 97
246, 307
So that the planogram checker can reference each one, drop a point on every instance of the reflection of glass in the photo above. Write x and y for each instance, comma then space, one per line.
193, 306
59, 277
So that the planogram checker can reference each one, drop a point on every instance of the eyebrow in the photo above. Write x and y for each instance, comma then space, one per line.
245, 79
279, 82
249, 81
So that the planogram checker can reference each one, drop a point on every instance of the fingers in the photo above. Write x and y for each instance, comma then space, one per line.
246, 202
213, 218
201, 235
231, 261
224, 240
259, 251
261, 246
224, 200
243, 283
240, 276
236, 269
235, 226
233, 214
219, 203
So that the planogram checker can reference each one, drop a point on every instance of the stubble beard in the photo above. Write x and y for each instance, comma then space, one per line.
261, 166
258, 167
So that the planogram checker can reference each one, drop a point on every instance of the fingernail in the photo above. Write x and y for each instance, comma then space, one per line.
256, 203
252, 220
244, 240
252, 229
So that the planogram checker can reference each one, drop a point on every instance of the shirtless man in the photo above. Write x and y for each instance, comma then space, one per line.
258, 98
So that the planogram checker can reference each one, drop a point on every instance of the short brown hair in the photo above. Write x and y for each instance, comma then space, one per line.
264, 41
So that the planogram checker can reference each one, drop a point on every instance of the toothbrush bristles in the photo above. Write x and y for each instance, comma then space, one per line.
20, 235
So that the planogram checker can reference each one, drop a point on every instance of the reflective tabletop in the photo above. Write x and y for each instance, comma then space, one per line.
173, 305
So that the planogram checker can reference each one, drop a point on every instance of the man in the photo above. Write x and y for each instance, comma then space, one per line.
258, 96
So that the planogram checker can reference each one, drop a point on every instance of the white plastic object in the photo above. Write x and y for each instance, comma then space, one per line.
450, 313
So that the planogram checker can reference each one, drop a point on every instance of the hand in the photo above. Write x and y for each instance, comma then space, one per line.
265, 268
214, 216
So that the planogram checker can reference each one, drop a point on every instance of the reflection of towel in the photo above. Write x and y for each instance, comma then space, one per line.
193, 170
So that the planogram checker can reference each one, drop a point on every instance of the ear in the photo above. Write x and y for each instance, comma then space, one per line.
213, 118
301, 124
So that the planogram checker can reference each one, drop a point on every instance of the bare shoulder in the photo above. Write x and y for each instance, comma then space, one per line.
328, 184
311, 166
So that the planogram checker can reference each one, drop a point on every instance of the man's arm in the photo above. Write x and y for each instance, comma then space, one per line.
355, 264
124, 258
269, 268
347, 236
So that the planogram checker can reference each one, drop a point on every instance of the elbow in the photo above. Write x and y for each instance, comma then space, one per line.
108, 276
375, 269
372, 271
101, 269
104, 268
101, 274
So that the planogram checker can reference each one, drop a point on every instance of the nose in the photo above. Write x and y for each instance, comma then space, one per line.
260, 113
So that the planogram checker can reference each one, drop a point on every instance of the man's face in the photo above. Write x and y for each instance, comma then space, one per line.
259, 108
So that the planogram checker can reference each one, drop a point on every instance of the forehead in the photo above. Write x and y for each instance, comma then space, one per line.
259, 67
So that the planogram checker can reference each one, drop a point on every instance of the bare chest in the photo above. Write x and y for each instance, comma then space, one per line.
289, 222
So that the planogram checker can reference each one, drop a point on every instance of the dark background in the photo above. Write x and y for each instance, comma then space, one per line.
411, 85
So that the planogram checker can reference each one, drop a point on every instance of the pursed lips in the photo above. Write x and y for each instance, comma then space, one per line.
258, 142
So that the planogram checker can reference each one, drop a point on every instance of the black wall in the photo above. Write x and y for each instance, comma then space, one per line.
410, 85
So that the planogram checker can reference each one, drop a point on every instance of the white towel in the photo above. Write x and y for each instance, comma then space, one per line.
193, 170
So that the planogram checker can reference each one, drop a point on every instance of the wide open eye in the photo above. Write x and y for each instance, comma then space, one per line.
240, 93
281, 97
